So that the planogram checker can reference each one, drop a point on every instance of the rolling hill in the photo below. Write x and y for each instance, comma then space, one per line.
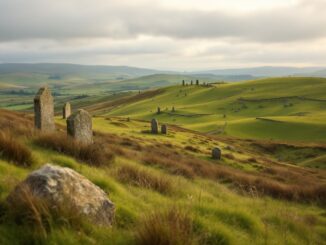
277, 108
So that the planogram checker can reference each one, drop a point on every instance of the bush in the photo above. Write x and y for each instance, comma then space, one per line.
93, 154
166, 228
142, 178
14, 151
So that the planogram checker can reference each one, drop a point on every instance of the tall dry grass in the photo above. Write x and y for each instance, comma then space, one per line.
14, 151
299, 185
142, 178
26, 209
95, 154
170, 227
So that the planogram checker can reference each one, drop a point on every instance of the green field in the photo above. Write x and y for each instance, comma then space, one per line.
289, 108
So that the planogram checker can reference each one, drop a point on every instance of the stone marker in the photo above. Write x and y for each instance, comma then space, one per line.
44, 110
197, 82
66, 110
158, 110
164, 129
216, 153
154, 126
183, 83
63, 187
191, 83
79, 126
173, 109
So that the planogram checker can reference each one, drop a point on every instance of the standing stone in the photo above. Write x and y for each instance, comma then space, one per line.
158, 110
164, 129
216, 153
66, 110
44, 110
173, 109
197, 82
79, 126
191, 83
154, 126
183, 83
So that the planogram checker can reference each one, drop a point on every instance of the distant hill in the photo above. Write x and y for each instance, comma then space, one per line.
320, 73
265, 71
57, 70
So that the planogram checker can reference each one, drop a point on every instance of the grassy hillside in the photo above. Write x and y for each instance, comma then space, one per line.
290, 108
247, 196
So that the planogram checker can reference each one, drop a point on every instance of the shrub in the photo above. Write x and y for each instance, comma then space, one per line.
93, 154
14, 151
166, 228
142, 178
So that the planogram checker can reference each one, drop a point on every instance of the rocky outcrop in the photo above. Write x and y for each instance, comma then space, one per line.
60, 186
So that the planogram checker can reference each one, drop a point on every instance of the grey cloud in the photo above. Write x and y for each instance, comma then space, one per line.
21, 19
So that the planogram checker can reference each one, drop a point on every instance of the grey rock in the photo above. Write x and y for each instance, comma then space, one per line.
60, 186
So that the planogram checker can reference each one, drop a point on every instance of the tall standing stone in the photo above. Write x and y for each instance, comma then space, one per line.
158, 110
66, 110
79, 126
191, 83
154, 126
216, 153
197, 82
44, 110
164, 129
183, 83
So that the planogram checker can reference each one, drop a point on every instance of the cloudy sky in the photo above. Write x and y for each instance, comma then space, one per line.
165, 34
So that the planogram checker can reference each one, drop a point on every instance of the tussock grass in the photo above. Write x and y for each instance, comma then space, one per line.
173, 166
145, 179
170, 227
14, 151
16, 123
23, 208
299, 185
265, 185
94, 154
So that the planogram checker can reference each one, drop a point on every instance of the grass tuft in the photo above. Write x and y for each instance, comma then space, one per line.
25, 209
93, 154
145, 179
171, 227
14, 151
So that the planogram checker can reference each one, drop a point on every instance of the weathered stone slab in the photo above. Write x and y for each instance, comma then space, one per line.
66, 110
44, 110
79, 126
154, 126
164, 129
216, 153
